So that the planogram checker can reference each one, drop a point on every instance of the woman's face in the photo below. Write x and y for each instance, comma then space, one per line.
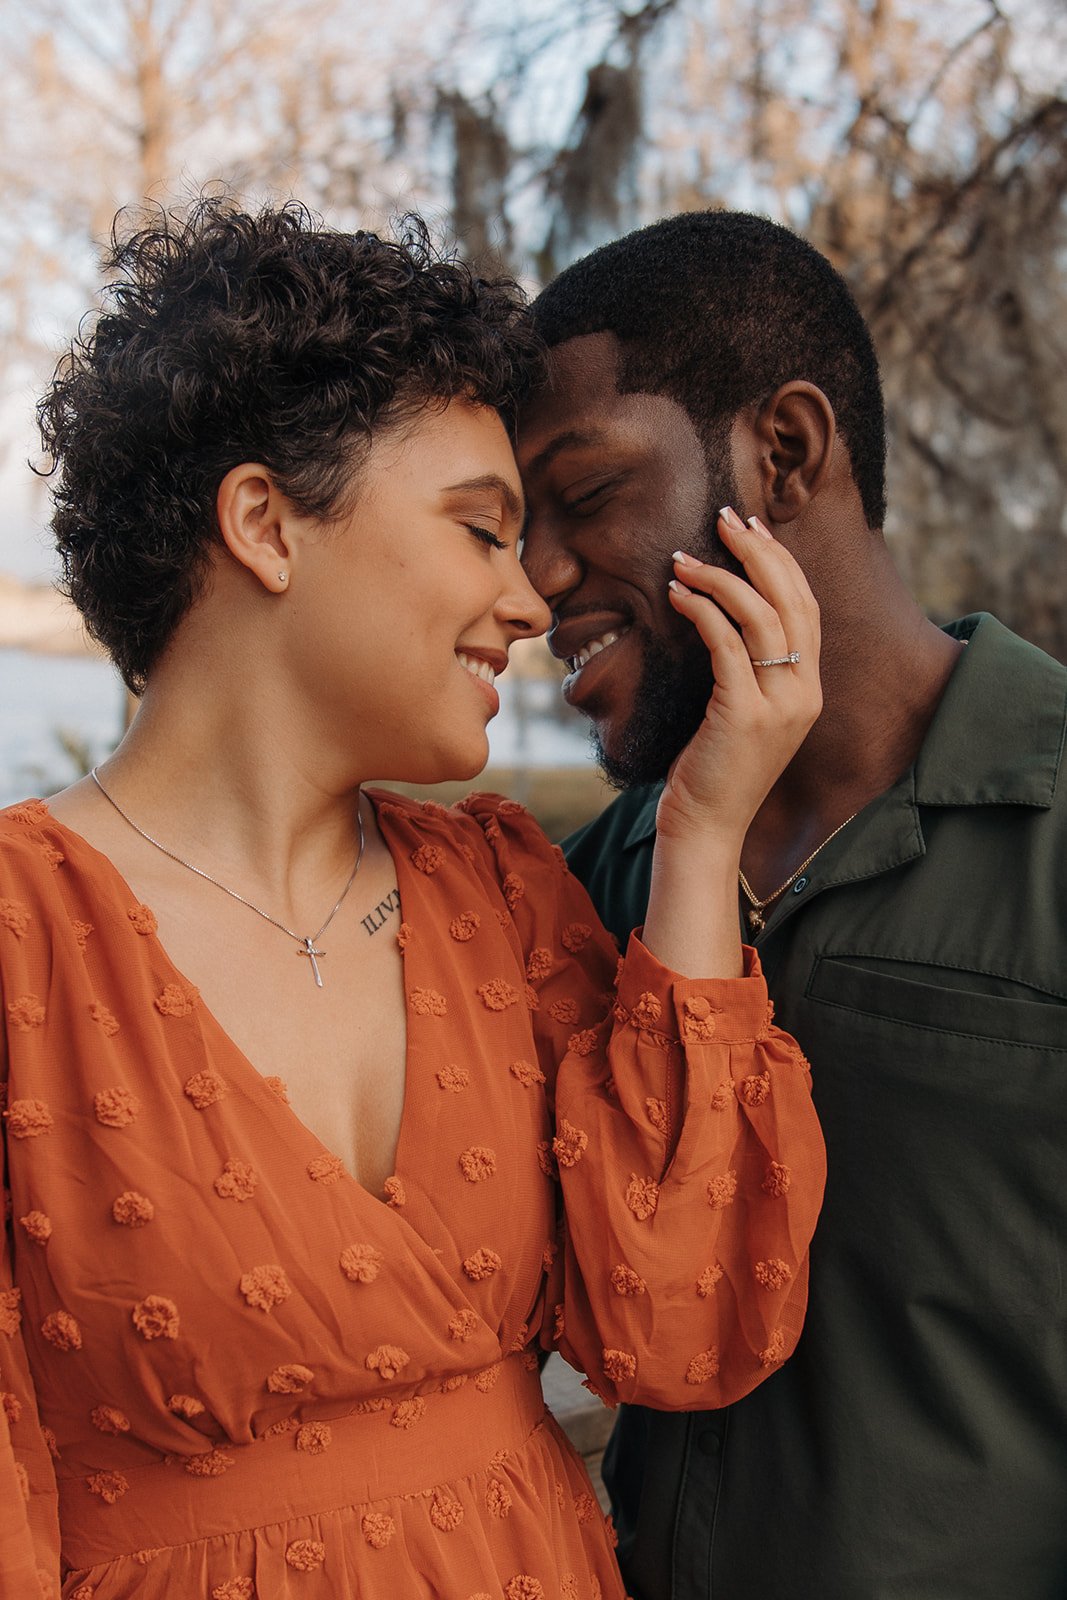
401, 615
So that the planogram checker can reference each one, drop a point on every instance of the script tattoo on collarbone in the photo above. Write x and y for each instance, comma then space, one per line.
377, 918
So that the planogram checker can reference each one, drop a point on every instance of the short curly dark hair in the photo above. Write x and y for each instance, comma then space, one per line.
718, 308
228, 337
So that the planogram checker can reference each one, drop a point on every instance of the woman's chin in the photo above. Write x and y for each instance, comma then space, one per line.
464, 772
451, 766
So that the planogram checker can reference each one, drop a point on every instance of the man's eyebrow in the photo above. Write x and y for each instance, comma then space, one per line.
492, 481
574, 438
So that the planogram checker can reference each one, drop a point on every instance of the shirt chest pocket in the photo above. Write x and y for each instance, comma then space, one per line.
945, 1112
950, 1001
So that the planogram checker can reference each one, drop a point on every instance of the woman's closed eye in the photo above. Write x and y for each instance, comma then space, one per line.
486, 536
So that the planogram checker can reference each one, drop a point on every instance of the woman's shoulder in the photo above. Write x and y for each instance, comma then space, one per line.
490, 823
29, 847
32, 890
25, 816
508, 827
44, 864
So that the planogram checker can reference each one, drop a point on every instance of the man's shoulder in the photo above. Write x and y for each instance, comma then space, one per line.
997, 736
1007, 654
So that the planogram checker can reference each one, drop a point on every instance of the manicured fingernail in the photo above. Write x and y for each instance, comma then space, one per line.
731, 519
678, 588
683, 560
757, 527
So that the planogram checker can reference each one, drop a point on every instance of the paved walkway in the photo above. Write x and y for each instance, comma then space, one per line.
586, 1422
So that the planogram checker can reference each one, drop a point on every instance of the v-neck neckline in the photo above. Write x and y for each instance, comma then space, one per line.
208, 1022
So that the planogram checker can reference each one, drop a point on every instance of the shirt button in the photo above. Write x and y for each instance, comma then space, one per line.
800, 885
710, 1442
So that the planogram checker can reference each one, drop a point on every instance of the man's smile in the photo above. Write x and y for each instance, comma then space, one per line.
581, 639
576, 636
588, 651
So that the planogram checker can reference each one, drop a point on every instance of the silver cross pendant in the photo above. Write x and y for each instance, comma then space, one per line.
311, 953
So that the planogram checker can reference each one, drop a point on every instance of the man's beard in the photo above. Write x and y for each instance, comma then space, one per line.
676, 678
672, 695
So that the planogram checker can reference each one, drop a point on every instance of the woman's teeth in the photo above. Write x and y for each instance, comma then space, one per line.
593, 648
478, 669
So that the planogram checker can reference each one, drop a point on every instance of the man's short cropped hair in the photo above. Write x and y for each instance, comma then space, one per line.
716, 309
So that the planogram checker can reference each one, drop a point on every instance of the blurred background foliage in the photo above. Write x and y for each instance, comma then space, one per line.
922, 144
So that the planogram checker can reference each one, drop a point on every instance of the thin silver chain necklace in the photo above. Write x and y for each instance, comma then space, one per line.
306, 944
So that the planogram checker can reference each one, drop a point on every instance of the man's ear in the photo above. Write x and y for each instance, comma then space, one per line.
255, 523
795, 431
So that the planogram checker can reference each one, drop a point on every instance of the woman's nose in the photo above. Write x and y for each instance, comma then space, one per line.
522, 608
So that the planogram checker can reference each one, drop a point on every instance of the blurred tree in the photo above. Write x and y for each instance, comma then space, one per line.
124, 101
129, 101
920, 143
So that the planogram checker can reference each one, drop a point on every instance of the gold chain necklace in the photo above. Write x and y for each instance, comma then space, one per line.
306, 943
756, 920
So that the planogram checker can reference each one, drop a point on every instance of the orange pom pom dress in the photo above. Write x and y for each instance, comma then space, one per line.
227, 1370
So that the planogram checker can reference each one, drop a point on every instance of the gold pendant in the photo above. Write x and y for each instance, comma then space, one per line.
755, 919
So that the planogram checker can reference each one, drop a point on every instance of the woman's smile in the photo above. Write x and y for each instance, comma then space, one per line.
483, 667
426, 566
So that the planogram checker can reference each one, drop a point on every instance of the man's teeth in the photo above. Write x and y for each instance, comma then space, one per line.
478, 669
593, 648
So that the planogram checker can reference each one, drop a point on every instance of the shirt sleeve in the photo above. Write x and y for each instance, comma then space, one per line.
29, 1517
688, 1152
29, 1511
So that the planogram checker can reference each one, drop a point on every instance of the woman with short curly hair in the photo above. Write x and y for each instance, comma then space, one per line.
327, 1112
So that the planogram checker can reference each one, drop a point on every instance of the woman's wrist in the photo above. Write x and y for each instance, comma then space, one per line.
710, 844
680, 817
692, 921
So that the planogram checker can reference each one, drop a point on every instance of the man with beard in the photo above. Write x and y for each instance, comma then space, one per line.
905, 885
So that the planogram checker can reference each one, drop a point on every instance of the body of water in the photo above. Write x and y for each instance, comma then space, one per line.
46, 700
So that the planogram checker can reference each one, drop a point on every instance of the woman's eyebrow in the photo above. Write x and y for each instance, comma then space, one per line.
491, 480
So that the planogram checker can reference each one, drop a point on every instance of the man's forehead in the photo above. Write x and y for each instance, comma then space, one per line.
580, 408
588, 363
558, 441
577, 397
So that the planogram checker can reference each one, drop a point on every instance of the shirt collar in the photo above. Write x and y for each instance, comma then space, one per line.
643, 825
997, 737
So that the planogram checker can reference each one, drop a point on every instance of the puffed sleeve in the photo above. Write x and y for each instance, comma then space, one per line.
687, 1148
29, 1523
29, 1518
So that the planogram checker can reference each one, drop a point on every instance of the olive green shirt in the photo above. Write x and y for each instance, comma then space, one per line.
915, 1447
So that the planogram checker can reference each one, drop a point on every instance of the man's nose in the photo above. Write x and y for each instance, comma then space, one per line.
549, 563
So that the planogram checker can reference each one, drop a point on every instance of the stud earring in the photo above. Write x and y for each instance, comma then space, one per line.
283, 577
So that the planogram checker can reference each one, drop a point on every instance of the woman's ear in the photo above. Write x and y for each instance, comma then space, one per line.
255, 522
795, 429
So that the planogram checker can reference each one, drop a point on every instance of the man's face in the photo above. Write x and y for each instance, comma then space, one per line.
614, 484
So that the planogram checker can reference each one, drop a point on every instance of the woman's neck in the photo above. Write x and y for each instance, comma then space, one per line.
231, 781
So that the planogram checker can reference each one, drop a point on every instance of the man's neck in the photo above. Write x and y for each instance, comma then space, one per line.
885, 668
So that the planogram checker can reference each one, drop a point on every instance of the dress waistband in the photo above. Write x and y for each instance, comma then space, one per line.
316, 1466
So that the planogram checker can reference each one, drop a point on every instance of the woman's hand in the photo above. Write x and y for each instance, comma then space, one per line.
756, 719
757, 716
